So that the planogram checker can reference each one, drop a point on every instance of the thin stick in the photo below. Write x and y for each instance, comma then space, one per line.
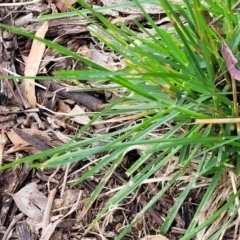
215, 20
16, 75
48, 209
235, 103
217, 121
3, 141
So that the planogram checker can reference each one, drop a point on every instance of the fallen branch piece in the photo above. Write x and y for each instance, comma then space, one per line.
84, 98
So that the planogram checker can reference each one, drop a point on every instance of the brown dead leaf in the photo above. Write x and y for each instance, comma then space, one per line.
19, 144
16, 139
102, 58
63, 5
17, 148
30, 201
230, 60
63, 107
70, 196
84, 51
32, 64
81, 118
35, 137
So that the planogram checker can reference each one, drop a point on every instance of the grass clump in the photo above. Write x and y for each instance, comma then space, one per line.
174, 76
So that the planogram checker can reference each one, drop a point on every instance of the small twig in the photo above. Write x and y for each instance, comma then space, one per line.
36, 117
46, 216
14, 95
62, 113
3, 141
235, 103
24, 101
82, 97
17, 75
217, 121
51, 178
215, 20
48, 231
65, 180
4, 112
